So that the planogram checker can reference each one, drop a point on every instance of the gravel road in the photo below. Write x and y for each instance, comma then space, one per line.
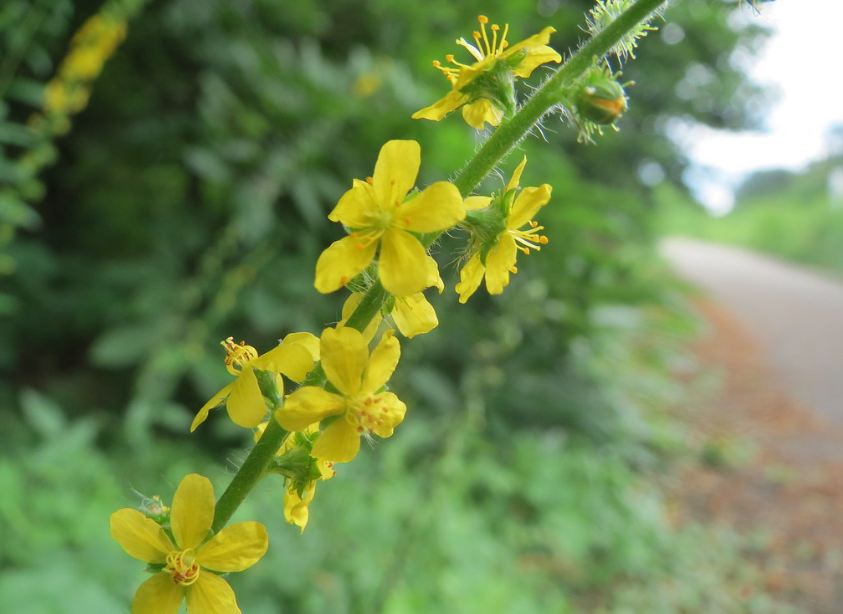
795, 314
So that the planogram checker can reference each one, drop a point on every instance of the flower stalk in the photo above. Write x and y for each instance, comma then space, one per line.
505, 138
511, 132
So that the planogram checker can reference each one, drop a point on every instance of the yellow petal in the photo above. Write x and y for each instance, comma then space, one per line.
356, 207
351, 303
438, 207
403, 267
192, 510
339, 442
395, 172
213, 402
470, 73
392, 414
234, 548
344, 356
382, 363
472, 203
292, 359
526, 205
439, 109
295, 507
210, 594
480, 111
536, 56
499, 262
308, 340
536, 40
342, 261
515, 180
414, 315
308, 405
245, 404
158, 595
141, 537
433, 277
470, 277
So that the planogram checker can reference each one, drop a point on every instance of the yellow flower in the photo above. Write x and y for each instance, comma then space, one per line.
294, 357
190, 561
479, 100
358, 407
379, 215
413, 315
298, 497
299, 493
496, 259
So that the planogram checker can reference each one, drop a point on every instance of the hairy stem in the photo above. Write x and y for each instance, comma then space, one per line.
504, 139
511, 132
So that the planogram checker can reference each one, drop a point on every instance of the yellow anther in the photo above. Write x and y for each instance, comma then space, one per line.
482, 19
237, 355
182, 566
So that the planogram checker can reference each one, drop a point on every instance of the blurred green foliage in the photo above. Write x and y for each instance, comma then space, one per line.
188, 203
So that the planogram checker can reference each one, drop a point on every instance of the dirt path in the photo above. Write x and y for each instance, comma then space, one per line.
796, 315
776, 463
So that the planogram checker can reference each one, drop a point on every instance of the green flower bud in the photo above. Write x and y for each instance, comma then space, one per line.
601, 99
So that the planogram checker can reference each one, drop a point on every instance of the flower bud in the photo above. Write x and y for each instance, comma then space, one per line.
601, 99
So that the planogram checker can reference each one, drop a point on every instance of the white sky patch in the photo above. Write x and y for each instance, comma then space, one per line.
797, 62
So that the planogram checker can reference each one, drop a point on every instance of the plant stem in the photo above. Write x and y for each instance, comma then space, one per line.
511, 132
505, 138
250, 472
254, 467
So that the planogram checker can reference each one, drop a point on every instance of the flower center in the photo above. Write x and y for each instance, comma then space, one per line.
182, 566
484, 47
237, 355
525, 240
366, 412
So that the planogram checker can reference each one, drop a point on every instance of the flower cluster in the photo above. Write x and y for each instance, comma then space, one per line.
310, 401
67, 93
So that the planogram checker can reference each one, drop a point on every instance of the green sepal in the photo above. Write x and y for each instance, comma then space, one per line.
496, 85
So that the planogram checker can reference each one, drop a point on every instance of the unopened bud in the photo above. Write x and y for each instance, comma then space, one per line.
601, 100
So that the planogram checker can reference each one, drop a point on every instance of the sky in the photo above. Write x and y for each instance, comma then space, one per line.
798, 63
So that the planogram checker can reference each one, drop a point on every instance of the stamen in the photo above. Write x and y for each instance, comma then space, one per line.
495, 28
183, 567
237, 355
474, 51
483, 21
527, 240
504, 42
366, 237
